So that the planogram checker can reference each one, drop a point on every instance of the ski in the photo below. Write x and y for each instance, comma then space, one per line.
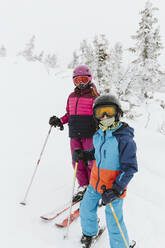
54, 214
133, 243
95, 239
73, 217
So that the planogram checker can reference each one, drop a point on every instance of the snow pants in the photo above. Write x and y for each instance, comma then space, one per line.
89, 220
83, 173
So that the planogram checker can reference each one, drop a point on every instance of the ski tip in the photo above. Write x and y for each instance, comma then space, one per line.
23, 203
43, 218
133, 243
60, 225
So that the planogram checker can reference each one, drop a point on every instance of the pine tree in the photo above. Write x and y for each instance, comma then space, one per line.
39, 57
86, 54
3, 51
101, 65
116, 68
105, 64
28, 52
50, 60
146, 69
75, 61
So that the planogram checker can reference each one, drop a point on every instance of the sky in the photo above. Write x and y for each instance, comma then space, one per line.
60, 26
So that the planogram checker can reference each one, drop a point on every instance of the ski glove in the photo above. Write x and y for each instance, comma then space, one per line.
56, 122
79, 154
112, 194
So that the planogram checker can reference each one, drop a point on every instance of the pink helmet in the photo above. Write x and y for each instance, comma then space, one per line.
82, 70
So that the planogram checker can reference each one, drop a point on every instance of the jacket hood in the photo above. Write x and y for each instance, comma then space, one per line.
125, 129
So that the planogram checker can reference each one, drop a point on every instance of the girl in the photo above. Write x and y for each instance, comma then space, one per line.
79, 116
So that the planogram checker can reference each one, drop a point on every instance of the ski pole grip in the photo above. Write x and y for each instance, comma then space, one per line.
61, 127
103, 187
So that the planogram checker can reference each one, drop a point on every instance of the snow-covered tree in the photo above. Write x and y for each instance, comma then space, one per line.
75, 60
161, 86
101, 64
146, 68
96, 56
50, 61
105, 64
39, 57
86, 54
3, 51
28, 52
162, 126
116, 68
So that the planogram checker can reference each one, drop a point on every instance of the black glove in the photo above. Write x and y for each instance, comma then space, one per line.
79, 154
56, 122
112, 194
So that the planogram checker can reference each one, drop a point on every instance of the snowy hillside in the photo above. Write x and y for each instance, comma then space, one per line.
29, 96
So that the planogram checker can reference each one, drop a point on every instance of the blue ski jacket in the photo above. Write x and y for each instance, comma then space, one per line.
115, 155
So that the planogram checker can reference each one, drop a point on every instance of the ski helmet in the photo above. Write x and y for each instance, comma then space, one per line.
106, 100
82, 70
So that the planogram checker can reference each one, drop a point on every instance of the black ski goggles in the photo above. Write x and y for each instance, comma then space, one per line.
100, 111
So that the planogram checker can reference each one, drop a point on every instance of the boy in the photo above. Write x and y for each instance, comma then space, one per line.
115, 153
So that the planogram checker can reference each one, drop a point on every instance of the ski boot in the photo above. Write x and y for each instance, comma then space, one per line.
79, 194
86, 241
89, 241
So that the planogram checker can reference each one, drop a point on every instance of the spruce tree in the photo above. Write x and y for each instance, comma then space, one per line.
86, 54
3, 51
146, 68
101, 64
116, 69
105, 64
28, 52
75, 61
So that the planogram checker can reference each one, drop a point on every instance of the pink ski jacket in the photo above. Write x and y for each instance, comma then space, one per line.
79, 115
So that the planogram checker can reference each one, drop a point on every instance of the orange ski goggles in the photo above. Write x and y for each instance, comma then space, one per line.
81, 80
109, 111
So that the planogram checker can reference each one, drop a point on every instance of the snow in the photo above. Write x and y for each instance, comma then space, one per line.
29, 96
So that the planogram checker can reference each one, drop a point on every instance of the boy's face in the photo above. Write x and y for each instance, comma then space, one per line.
107, 121
104, 117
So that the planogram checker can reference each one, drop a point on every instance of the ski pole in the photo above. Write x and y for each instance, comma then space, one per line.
114, 214
35, 170
122, 234
70, 210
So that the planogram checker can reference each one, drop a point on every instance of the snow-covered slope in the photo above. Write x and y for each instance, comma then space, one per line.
29, 95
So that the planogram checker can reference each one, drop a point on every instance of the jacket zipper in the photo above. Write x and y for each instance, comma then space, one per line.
77, 104
100, 162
